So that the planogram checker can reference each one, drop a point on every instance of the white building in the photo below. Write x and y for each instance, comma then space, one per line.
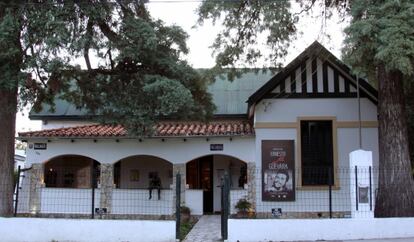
297, 127
19, 158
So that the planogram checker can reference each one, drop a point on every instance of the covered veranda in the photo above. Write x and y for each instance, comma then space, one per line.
123, 166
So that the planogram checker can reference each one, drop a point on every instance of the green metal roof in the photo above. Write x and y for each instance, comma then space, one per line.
229, 97
62, 108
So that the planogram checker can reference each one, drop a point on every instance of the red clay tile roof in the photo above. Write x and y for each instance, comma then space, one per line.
162, 129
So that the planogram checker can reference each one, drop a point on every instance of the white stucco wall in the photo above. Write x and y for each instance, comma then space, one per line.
194, 201
174, 150
319, 229
288, 110
85, 230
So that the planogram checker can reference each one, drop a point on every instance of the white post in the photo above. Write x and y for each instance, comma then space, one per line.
361, 184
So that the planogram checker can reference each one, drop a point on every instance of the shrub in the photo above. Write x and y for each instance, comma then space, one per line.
243, 205
185, 210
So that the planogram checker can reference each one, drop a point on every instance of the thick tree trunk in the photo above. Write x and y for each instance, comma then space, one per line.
396, 186
8, 104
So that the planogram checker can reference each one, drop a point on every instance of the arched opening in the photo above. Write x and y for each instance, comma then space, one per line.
136, 172
71, 171
143, 186
206, 174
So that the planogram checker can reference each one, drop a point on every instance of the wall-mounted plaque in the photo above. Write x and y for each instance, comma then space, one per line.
216, 147
363, 194
40, 146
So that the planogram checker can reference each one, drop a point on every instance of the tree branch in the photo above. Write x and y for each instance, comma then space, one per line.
89, 33
107, 31
305, 9
110, 59
37, 67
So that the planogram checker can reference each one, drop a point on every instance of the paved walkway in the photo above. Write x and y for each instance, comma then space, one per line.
207, 229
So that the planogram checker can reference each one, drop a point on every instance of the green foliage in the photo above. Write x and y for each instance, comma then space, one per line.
381, 32
243, 205
10, 57
185, 228
137, 74
243, 22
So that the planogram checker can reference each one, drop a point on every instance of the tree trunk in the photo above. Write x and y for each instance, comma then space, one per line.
8, 104
396, 186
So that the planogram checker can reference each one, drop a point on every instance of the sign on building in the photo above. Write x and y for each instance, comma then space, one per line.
278, 170
40, 146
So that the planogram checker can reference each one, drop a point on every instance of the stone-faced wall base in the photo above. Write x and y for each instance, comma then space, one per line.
107, 185
36, 174
251, 184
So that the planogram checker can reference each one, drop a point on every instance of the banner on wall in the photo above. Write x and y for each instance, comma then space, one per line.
278, 170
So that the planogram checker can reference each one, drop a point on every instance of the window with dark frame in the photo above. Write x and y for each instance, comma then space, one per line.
317, 152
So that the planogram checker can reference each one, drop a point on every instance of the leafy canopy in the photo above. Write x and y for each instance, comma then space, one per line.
244, 24
381, 33
134, 69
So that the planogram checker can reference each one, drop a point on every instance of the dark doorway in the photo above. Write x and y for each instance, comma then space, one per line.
200, 176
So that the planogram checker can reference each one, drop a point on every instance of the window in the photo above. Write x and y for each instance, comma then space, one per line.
317, 152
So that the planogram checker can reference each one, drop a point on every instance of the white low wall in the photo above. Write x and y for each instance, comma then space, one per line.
124, 201
136, 201
194, 200
68, 200
318, 229
83, 230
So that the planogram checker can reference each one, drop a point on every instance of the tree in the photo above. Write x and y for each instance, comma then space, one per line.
379, 43
380, 40
409, 102
136, 75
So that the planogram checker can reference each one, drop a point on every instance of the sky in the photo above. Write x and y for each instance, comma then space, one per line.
182, 13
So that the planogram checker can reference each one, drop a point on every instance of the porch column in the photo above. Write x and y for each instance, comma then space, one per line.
179, 168
107, 185
36, 175
251, 184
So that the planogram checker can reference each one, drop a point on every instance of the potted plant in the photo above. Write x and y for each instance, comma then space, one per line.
243, 207
185, 213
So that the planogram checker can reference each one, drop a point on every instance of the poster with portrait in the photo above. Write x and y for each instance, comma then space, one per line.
278, 170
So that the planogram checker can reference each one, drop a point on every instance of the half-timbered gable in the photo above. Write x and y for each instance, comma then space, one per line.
315, 73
